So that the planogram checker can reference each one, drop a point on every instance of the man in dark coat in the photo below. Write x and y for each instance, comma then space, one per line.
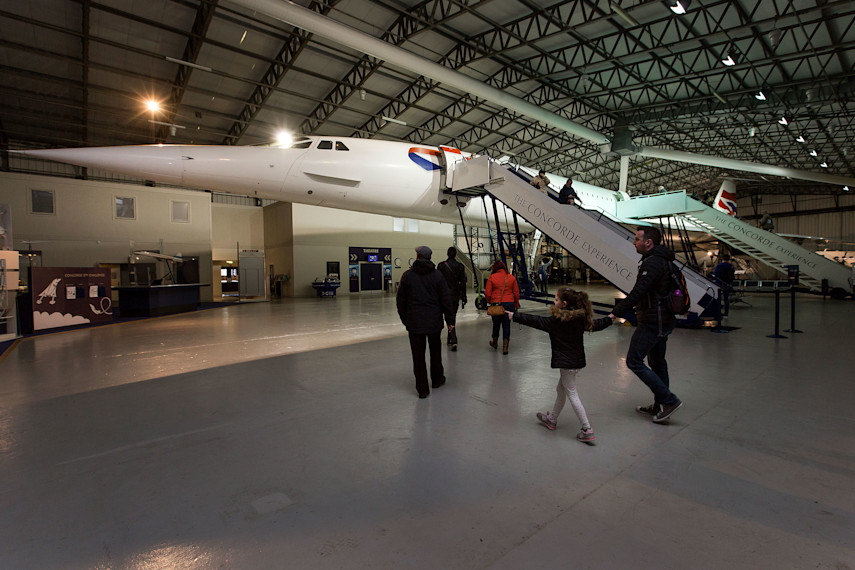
568, 195
655, 323
725, 273
455, 277
423, 299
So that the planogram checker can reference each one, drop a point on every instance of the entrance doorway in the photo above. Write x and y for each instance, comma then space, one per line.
370, 276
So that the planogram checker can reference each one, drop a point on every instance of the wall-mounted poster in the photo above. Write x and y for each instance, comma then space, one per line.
67, 296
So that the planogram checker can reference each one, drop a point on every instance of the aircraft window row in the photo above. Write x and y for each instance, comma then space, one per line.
328, 145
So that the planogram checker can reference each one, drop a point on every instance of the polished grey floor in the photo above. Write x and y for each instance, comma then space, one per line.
289, 435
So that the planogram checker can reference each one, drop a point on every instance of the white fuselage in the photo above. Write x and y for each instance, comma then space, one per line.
382, 177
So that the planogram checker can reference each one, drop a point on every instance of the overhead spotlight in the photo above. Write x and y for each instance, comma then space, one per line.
751, 131
760, 96
681, 6
783, 121
362, 94
731, 58
800, 139
823, 164
846, 188
813, 153
284, 139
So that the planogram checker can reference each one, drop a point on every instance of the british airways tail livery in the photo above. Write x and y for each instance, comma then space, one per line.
725, 200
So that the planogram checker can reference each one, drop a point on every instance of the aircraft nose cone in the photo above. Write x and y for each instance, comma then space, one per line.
161, 162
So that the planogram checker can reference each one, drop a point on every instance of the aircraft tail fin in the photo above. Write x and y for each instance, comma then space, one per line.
725, 200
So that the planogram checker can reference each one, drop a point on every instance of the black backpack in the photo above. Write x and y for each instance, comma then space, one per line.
677, 298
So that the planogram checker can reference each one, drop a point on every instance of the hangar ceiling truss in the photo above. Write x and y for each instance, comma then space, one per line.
76, 73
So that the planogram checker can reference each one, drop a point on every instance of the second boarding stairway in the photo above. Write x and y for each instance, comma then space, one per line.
598, 242
767, 247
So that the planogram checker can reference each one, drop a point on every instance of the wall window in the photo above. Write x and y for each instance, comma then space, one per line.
42, 202
180, 211
125, 208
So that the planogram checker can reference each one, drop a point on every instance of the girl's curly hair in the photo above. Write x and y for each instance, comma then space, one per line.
577, 300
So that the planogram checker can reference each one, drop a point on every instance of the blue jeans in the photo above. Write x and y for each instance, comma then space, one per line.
647, 342
504, 321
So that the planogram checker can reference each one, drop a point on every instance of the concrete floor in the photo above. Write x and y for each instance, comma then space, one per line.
289, 435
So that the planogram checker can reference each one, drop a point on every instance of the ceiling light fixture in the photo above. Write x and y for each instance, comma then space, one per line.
681, 6
846, 188
783, 121
188, 64
823, 164
620, 12
813, 153
760, 96
731, 58
800, 139
775, 37
391, 120
172, 125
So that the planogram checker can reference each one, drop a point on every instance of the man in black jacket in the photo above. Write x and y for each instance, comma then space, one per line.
568, 195
655, 323
455, 278
423, 299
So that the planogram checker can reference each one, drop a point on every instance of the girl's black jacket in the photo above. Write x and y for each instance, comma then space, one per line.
565, 328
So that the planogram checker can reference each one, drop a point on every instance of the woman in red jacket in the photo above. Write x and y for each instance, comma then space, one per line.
502, 288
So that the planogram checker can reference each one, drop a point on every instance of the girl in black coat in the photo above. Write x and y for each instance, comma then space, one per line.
571, 317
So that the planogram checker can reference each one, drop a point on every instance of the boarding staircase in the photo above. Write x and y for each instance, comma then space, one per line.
605, 246
767, 247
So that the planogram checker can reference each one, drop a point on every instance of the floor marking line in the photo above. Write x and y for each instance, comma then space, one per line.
144, 443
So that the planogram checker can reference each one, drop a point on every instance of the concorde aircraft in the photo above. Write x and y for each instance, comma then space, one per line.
382, 177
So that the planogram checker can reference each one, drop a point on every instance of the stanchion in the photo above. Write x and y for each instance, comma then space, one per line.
777, 315
793, 328
718, 328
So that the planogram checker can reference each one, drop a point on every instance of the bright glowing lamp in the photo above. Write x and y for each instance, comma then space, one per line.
284, 138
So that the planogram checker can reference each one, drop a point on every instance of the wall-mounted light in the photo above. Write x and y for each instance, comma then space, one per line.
681, 6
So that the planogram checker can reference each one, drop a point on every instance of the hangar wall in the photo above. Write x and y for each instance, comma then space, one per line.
325, 234
84, 230
836, 222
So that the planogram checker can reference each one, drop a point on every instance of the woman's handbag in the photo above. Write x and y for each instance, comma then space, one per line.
498, 310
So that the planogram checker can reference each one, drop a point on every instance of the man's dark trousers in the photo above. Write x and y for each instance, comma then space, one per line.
418, 343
